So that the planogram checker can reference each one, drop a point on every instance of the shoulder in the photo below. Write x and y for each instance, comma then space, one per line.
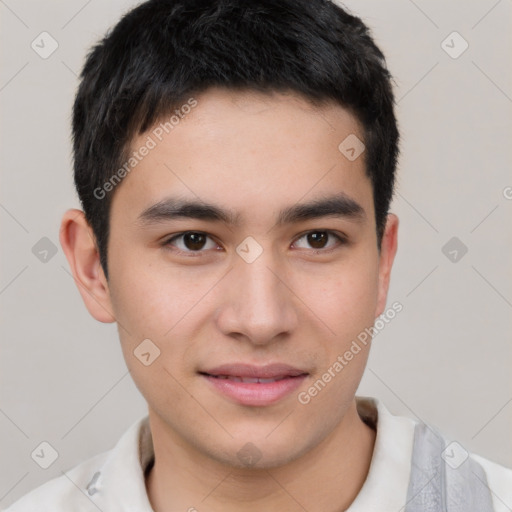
112, 480
64, 493
499, 481
405, 446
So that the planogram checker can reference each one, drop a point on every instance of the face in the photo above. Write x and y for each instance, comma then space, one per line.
246, 238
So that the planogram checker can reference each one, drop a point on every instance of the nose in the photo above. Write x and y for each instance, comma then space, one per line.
258, 304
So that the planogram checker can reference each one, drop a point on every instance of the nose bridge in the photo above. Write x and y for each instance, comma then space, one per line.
258, 304
260, 280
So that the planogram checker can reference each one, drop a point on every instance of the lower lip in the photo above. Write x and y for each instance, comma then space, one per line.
255, 393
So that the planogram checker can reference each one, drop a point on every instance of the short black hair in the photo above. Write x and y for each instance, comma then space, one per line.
164, 51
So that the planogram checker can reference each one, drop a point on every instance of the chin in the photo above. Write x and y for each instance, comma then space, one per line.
260, 453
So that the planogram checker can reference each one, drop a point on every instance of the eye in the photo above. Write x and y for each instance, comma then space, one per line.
190, 242
320, 240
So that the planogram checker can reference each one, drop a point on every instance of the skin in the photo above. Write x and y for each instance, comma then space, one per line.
299, 304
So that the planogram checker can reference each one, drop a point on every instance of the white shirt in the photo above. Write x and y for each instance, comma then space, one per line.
114, 481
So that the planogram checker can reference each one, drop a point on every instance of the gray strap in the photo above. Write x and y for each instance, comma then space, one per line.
435, 486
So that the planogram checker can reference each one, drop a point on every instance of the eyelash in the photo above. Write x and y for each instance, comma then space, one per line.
341, 240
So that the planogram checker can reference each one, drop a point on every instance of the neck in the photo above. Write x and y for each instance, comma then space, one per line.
327, 478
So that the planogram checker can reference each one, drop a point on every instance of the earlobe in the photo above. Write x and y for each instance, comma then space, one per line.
78, 243
387, 255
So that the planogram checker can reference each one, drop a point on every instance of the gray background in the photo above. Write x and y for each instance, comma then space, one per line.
445, 358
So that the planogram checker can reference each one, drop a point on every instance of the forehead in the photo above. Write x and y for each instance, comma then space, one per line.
238, 148
251, 108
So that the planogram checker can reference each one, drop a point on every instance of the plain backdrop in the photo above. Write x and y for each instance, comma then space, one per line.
445, 359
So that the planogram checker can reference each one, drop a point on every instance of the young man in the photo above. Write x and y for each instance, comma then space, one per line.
235, 162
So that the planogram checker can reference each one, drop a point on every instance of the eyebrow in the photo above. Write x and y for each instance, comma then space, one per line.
170, 208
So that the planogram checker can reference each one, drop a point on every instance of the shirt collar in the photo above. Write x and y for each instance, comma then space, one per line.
385, 487
120, 484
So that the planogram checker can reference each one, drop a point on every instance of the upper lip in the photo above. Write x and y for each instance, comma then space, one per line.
269, 371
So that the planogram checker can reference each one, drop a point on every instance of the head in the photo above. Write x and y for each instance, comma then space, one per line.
164, 52
227, 120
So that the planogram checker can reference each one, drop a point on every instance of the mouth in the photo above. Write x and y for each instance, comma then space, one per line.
253, 385
250, 380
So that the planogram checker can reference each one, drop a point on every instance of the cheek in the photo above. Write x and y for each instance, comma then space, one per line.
356, 297
150, 299
141, 305
343, 296
346, 304
150, 307
168, 306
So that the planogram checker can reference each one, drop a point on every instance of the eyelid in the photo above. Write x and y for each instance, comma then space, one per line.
166, 244
340, 237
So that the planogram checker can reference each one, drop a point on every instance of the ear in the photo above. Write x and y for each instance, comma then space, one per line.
386, 258
79, 244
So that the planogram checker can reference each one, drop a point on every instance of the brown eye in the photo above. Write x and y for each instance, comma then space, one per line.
318, 239
191, 241
194, 241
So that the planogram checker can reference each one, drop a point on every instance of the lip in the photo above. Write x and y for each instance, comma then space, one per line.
278, 381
